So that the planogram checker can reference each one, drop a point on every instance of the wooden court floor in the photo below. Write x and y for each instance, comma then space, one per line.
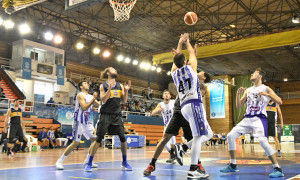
252, 163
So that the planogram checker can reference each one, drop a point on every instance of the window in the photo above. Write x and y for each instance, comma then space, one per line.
20, 84
43, 89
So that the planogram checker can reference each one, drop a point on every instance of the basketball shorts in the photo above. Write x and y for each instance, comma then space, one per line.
256, 124
193, 111
15, 132
80, 129
110, 124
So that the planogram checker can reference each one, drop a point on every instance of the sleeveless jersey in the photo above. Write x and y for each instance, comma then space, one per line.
168, 111
113, 104
187, 84
15, 115
272, 112
80, 115
256, 104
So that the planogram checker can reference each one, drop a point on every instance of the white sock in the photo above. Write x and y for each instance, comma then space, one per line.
196, 149
62, 158
276, 165
87, 158
233, 161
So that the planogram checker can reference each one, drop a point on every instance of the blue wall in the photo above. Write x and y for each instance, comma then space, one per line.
149, 120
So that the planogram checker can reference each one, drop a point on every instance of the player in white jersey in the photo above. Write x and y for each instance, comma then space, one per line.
184, 74
167, 108
257, 98
81, 125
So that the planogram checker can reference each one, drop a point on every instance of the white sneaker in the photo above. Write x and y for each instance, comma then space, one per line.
59, 166
197, 175
179, 154
94, 165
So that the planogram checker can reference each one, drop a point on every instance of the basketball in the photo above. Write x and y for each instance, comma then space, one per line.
190, 18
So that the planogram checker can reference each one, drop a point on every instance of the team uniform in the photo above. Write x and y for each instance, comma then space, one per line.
256, 116
51, 135
82, 124
272, 119
192, 108
15, 130
167, 113
110, 120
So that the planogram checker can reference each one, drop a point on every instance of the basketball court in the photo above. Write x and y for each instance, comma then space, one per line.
49, 47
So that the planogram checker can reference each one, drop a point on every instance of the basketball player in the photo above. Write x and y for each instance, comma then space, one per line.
82, 124
184, 74
257, 98
272, 110
112, 94
166, 108
15, 134
177, 121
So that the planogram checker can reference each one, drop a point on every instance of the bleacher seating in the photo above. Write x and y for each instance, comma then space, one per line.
153, 133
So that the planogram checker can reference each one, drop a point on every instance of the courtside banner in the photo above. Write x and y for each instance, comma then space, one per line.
217, 99
26, 68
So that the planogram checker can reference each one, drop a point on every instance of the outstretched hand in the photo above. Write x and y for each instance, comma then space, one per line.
127, 86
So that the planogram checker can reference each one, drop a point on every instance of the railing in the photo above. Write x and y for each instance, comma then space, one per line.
289, 95
135, 89
6, 102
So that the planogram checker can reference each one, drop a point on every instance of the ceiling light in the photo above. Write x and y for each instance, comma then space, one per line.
79, 45
285, 79
48, 36
158, 69
24, 28
169, 73
58, 39
135, 62
96, 50
8, 24
153, 68
127, 60
106, 54
147, 66
232, 25
120, 58
295, 19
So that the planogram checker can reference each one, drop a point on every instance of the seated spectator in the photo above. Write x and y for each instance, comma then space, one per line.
50, 103
4, 141
60, 137
43, 138
223, 138
51, 138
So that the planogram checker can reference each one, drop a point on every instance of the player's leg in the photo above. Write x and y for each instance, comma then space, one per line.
237, 131
277, 145
89, 134
76, 133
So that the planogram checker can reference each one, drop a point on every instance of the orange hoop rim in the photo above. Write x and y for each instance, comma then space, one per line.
122, 4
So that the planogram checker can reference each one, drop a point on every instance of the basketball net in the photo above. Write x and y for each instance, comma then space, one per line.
122, 8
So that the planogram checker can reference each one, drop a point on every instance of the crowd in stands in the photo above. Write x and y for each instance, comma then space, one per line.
52, 139
139, 105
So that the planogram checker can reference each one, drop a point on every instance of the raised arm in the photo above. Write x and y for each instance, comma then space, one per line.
125, 90
182, 39
157, 110
6, 121
192, 56
82, 102
240, 101
105, 95
274, 96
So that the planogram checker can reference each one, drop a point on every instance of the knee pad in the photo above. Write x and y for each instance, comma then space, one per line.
263, 141
122, 138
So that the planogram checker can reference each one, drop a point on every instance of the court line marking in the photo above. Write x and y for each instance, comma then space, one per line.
82, 178
298, 176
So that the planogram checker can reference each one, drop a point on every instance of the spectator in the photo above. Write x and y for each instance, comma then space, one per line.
60, 137
223, 138
43, 137
144, 93
50, 103
4, 140
251, 138
51, 138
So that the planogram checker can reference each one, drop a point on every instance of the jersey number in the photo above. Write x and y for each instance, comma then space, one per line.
181, 86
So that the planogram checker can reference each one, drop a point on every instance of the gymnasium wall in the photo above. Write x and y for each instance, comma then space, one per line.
5, 50
221, 125
290, 107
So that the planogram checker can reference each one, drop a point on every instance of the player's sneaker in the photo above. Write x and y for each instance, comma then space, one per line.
126, 167
93, 164
171, 161
179, 154
276, 173
201, 169
88, 167
197, 175
149, 170
279, 154
59, 166
229, 169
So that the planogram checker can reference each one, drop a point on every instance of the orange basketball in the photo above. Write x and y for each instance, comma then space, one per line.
190, 18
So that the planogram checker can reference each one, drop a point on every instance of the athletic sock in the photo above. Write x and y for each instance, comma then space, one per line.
233, 161
276, 165
185, 147
278, 169
124, 158
153, 161
91, 160
172, 152
193, 167
62, 158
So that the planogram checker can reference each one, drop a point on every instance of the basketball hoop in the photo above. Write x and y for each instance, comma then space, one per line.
122, 8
